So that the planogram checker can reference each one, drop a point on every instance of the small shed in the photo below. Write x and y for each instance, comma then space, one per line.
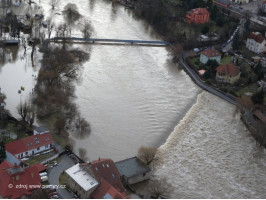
133, 170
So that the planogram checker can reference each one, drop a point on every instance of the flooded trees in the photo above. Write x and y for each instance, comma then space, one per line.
27, 112
54, 3
71, 13
87, 29
146, 154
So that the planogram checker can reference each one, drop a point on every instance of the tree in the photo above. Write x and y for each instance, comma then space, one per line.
82, 126
2, 151
205, 30
82, 154
258, 98
60, 124
54, 3
87, 29
27, 112
71, 13
159, 189
146, 154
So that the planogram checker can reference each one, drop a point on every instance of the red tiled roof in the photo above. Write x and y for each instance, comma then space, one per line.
39, 167
29, 143
257, 37
13, 175
210, 53
105, 190
106, 169
199, 11
228, 69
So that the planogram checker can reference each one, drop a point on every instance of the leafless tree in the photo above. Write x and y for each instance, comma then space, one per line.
71, 13
146, 154
82, 154
87, 29
27, 112
159, 189
82, 127
54, 3
60, 124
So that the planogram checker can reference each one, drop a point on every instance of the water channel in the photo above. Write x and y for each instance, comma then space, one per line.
135, 95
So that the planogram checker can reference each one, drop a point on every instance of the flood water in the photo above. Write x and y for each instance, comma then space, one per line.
135, 95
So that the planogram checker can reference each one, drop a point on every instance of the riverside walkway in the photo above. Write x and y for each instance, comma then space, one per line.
110, 41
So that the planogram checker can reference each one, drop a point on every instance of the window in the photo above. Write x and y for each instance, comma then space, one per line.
38, 148
26, 153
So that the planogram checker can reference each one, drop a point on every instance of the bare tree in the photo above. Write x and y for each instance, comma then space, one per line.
159, 189
60, 124
27, 112
54, 3
146, 154
82, 126
82, 154
71, 13
87, 29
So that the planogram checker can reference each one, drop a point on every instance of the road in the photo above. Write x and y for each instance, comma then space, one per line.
198, 81
53, 175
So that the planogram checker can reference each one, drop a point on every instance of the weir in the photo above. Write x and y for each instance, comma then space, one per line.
113, 41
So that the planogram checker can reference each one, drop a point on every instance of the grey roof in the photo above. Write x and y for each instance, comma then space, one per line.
131, 167
223, 1
15, 170
12, 159
41, 129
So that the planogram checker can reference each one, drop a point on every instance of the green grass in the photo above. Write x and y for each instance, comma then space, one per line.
63, 181
40, 158
252, 88
226, 60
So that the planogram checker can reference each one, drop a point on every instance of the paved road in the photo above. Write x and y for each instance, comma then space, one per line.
198, 81
53, 175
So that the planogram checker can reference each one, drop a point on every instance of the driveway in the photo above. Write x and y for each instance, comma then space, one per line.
53, 175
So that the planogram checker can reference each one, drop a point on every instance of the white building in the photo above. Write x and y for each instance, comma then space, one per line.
256, 42
80, 181
210, 54
31, 145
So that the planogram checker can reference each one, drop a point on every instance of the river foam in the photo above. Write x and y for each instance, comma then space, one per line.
210, 154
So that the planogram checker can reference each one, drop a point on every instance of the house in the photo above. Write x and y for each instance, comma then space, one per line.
14, 160
80, 181
107, 170
31, 145
223, 3
264, 6
15, 181
133, 170
198, 16
40, 130
256, 42
210, 54
107, 191
240, 1
228, 73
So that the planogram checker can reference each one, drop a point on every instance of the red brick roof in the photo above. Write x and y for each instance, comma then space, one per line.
228, 69
13, 175
107, 191
106, 169
211, 53
29, 143
199, 11
39, 167
256, 36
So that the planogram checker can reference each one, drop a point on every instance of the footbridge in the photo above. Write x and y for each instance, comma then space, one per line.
108, 41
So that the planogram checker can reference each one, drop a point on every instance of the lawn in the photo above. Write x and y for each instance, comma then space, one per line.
226, 60
251, 88
40, 158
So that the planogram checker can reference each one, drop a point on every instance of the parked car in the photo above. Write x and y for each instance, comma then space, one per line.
43, 174
52, 194
55, 163
54, 197
44, 178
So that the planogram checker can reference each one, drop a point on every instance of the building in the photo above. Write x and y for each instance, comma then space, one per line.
223, 3
263, 6
198, 16
80, 181
31, 145
210, 54
133, 170
228, 73
256, 42
240, 1
106, 169
17, 182
40, 130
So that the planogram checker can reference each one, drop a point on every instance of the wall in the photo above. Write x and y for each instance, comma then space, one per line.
43, 148
138, 178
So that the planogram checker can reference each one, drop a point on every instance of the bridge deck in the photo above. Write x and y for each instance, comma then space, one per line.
93, 40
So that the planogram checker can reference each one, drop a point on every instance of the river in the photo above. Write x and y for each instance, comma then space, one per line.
134, 96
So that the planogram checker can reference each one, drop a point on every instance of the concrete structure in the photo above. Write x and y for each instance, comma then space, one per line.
133, 170
14, 177
31, 145
80, 181
210, 54
228, 73
40, 130
256, 42
198, 16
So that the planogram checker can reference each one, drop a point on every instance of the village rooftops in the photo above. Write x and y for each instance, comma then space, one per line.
131, 167
82, 177
228, 69
12, 159
40, 130
106, 169
29, 143
211, 53
198, 11
258, 37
